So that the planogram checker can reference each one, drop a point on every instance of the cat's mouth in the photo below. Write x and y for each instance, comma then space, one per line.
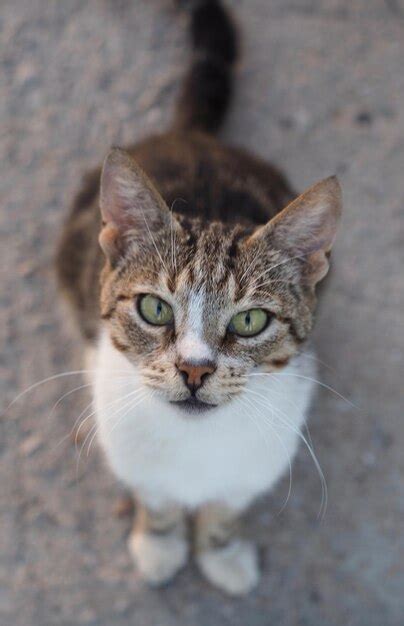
193, 405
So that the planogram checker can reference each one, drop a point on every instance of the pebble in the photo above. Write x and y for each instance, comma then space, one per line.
30, 445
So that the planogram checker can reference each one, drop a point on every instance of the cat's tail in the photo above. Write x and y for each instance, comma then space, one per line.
208, 85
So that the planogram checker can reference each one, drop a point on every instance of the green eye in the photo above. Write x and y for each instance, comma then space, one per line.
155, 311
249, 323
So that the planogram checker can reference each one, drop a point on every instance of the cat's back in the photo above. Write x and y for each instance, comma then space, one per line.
199, 176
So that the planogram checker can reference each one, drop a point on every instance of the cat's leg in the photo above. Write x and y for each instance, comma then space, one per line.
226, 560
158, 542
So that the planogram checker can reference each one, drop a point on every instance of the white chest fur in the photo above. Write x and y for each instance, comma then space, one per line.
230, 454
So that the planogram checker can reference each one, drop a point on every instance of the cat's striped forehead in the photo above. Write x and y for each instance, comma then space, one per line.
203, 271
211, 258
207, 274
203, 296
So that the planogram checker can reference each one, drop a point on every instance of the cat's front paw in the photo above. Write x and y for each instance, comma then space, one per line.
233, 568
158, 557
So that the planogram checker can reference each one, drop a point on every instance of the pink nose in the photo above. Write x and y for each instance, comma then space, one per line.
194, 374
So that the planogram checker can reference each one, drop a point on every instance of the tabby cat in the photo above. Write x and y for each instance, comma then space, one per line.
194, 291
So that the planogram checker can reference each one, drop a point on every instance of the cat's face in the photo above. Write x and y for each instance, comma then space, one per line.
197, 306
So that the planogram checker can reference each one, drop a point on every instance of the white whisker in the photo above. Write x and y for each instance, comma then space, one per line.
283, 447
313, 380
65, 395
137, 401
47, 380
271, 282
50, 379
251, 266
77, 420
95, 427
294, 405
154, 244
302, 257
128, 406
108, 405
324, 497
317, 360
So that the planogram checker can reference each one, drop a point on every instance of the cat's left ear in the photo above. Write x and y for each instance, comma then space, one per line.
307, 227
131, 207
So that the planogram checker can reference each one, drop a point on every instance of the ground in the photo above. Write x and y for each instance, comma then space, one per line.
320, 90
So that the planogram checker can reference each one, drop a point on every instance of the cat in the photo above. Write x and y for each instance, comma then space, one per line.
191, 267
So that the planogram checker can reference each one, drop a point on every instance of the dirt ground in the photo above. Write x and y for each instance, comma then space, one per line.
320, 90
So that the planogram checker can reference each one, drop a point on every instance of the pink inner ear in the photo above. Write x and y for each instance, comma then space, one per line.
129, 203
128, 199
119, 181
307, 227
317, 267
109, 241
310, 222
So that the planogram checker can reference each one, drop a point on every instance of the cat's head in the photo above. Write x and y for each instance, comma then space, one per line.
196, 306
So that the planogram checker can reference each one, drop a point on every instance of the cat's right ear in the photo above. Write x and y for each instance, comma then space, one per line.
306, 228
131, 208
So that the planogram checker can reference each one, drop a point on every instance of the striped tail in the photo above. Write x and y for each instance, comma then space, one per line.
208, 85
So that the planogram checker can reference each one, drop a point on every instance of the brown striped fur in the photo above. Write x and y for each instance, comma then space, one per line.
214, 224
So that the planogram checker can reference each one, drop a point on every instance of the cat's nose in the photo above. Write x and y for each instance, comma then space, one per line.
194, 374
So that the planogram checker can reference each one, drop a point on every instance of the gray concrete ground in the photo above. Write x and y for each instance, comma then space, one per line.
320, 90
